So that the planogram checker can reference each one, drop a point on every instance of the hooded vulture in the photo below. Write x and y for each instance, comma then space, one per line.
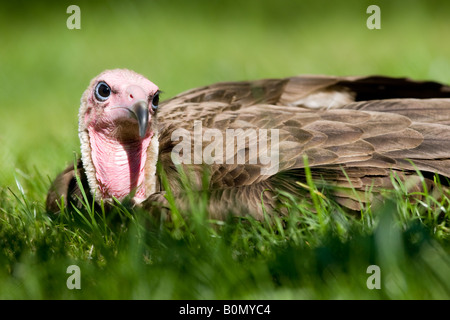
252, 138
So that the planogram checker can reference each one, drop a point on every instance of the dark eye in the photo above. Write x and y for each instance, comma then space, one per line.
102, 91
155, 101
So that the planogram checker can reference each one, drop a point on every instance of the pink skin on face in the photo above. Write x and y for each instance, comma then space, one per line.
118, 152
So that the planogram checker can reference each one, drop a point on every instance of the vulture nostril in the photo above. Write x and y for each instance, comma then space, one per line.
131, 96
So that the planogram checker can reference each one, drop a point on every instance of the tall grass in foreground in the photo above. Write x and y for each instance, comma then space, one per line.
316, 251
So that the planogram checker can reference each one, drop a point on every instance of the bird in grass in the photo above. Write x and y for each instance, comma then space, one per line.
353, 133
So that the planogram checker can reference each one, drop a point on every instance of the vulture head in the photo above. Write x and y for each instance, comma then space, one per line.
118, 135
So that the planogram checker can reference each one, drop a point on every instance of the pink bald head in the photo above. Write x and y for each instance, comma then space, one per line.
116, 128
117, 99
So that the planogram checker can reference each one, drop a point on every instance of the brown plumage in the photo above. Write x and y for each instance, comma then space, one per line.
363, 126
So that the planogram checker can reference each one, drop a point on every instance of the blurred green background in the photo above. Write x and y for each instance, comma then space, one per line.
45, 67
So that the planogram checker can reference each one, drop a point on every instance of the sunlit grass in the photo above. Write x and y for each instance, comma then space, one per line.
302, 254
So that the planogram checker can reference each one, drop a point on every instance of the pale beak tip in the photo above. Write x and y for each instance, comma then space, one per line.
141, 113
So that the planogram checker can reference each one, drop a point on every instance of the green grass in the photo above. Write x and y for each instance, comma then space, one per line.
126, 254
316, 252
303, 255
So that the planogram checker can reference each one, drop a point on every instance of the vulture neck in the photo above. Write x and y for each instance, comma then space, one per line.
119, 168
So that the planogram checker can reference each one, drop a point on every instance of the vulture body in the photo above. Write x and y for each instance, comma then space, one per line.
354, 132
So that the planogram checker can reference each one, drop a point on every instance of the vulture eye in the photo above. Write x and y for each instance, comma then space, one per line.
155, 101
102, 91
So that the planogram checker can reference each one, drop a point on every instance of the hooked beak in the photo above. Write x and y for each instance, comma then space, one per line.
139, 111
